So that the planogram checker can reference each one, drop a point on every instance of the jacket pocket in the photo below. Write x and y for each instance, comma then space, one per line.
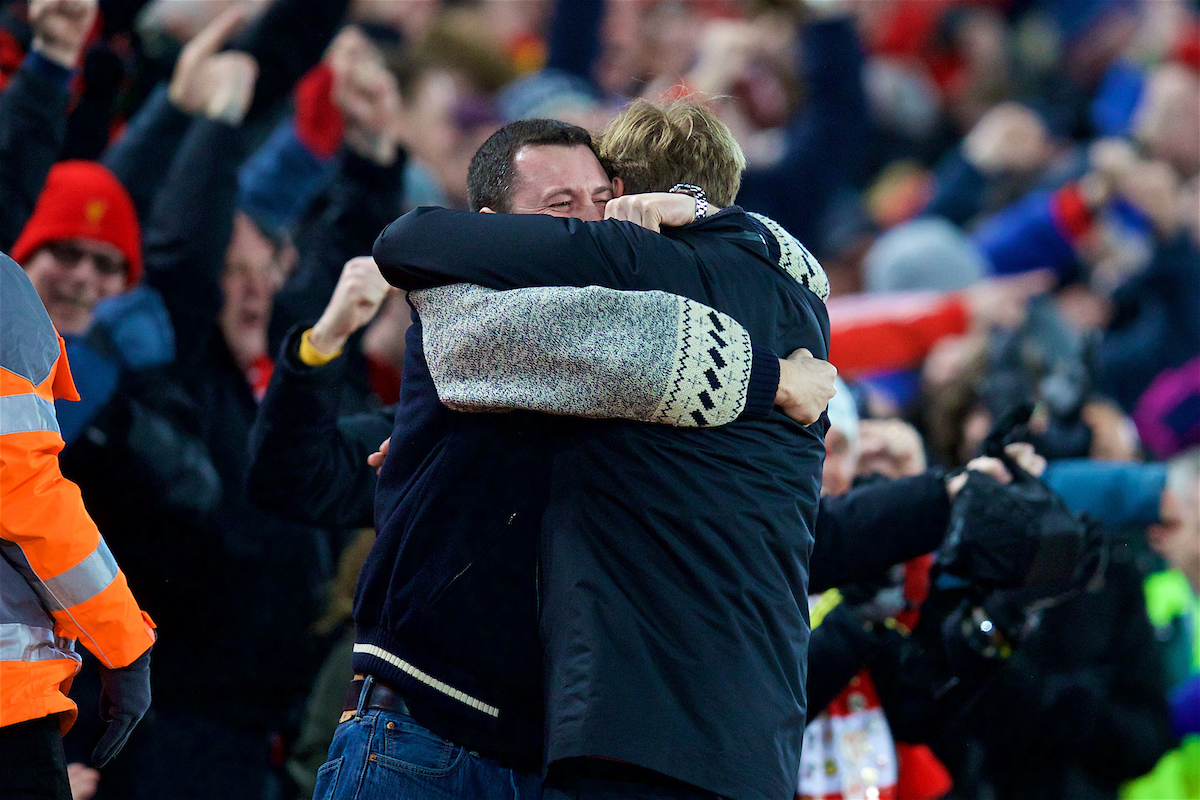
482, 554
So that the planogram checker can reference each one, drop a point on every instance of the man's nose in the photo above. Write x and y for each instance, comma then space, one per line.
590, 212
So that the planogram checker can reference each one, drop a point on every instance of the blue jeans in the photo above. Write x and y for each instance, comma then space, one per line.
383, 755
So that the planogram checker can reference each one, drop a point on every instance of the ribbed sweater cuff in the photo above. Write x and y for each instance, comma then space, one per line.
764, 384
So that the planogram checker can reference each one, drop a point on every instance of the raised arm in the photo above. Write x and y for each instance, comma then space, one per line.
435, 247
146, 150
33, 108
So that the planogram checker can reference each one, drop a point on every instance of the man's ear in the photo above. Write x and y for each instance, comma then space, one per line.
618, 187
486, 210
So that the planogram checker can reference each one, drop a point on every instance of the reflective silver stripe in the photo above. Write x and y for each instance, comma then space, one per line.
22, 413
426, 678
25, 643
83, 581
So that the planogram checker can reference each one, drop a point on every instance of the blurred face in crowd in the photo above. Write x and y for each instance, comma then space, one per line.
841, 463
439, 131
72, 275
560, 181
1177, 535
1167, 120
252, 275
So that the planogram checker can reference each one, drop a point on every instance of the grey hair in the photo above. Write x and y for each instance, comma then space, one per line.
1183, 474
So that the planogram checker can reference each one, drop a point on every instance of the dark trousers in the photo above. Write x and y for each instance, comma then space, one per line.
34, 766
597, 779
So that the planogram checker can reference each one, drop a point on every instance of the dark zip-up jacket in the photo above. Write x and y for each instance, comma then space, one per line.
675, 635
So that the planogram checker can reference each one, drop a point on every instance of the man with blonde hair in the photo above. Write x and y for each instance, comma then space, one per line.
674, 563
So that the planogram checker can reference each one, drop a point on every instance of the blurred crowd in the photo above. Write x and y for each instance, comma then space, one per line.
1004, 195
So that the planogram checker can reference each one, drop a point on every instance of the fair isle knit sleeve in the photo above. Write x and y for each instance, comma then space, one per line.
794, 258
593, 352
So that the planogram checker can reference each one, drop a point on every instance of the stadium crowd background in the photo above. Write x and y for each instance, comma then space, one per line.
1005, 196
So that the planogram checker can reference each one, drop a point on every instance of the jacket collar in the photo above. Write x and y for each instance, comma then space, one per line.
732, 223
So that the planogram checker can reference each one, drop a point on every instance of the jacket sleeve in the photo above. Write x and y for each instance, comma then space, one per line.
838, 650
891, 331
45, 531
287, 40
307, 464
593, 352
283, 177
824, 140
1118, 494
33, 127
362, 200
872, 527
189, 231
145, 151
436, 246
959, 189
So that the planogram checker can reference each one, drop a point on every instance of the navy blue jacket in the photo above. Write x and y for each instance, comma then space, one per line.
676, 562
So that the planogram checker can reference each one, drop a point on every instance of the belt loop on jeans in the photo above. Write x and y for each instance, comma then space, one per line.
364, 695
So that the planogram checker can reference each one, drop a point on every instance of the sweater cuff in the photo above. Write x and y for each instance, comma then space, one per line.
38, 64
292, 361
310, 355
764, 384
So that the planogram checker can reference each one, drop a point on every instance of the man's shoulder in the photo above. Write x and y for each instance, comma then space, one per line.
729, 227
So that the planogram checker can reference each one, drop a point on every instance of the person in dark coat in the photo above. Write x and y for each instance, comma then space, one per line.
1079, 708
502, 457
644, 525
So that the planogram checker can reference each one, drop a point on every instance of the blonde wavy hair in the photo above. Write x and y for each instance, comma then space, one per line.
652, 147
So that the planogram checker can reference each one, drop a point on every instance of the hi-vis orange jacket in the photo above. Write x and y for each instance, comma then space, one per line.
58, 581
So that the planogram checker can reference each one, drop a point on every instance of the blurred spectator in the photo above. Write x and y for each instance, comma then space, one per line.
33, 107
1173, 601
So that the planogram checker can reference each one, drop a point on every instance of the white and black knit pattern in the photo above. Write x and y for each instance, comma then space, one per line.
591, 352
795, 259
711, 370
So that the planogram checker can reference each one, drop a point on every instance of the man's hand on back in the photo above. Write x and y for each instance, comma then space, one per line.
61, 27
653, 210
360, 292
805, 386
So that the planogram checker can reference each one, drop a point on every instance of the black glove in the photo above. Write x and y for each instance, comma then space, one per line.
124, 700
879, 598
1018, 534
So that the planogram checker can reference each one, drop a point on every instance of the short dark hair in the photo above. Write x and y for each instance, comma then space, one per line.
490, 178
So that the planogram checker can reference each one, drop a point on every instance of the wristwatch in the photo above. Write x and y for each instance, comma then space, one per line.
697, 193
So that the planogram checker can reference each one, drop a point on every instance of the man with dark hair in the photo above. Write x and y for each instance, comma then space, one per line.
674, 565
447, 603
491, 175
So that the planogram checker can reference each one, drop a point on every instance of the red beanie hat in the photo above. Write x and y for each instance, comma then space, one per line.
83, 200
